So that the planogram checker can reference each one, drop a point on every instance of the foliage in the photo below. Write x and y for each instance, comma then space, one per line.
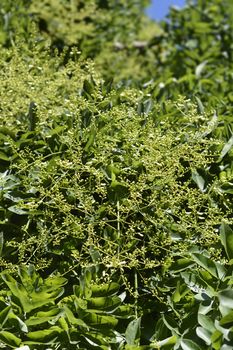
115, 194
97, 180
112, 33
196, 314
41, 312
199, 296
199, 38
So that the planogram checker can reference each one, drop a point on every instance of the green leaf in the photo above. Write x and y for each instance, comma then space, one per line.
88, 88
17, 290
3, 156
227, 320
56, 131
106, 304
17, 210
180, 291
199, 180
212, 124
170, 323
43, 316
181, 264
81, 303
201, 109
204, 334
44, 297
187, 344
226, 298
73, 320
34, 298
107, 86
206, 322
226, 347
4, 315
206, 306
7, 131
216, 340
50, 313
9, 339
133, 332
168, 341
45, 335
54, 282
123, 311
199, 69
91, 139
99, 320
97, 340
226, 236
20, 324
227, 147
63, 324
197, 284
215, 269
104, 289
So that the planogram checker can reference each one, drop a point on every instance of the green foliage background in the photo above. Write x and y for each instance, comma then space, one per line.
116, 176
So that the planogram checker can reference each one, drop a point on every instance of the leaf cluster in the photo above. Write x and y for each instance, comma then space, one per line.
120, 190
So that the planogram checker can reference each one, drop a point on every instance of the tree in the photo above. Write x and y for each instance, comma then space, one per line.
116, 167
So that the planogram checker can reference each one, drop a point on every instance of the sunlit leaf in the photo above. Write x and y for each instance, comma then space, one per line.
226, 298
187, 344
200, 181
10, 339
214, 268
204, 334
200, 68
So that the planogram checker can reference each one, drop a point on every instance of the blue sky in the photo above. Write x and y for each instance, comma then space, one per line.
159, 8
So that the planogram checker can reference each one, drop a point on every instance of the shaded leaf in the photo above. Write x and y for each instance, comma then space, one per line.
133, 331
100, 320
226, 236
227, 147
4, 315
106, 304
181, 264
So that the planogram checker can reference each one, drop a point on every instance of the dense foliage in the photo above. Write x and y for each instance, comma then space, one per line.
116, 176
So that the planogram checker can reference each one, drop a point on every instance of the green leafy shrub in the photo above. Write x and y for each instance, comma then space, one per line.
130, 189
96, 179
42, 313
